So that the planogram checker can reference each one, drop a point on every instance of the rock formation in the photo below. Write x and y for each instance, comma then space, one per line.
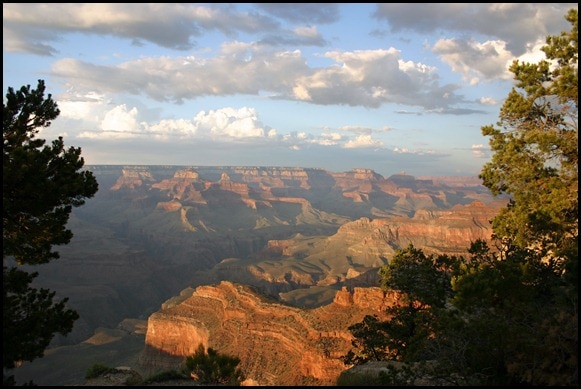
277, 344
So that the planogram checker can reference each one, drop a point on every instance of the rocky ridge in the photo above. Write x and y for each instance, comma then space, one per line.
266, 335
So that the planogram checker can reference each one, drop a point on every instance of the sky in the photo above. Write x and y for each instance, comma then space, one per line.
392, 87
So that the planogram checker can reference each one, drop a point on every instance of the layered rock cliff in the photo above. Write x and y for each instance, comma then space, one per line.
277, 344
352, 255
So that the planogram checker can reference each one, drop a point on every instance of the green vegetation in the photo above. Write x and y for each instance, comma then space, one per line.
213, 368
505, 315
40, 186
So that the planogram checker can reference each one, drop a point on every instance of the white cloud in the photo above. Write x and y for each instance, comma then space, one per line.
367, 78
371, 78
363, 141
120, 123
80, 107
328, 139
475, 61
488, 101
230, 122
165, 129
534, 54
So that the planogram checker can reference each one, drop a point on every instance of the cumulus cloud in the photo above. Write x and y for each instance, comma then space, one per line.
80, 107
222, 125
239, 69
363, 141
121, 122
501, 32
488, 101
300, 36
329, 139
475, 61
534, 54
333, 136
367, 78
170, 128
230, 122
371, 78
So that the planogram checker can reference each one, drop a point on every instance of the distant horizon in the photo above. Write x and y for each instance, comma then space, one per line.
276, 167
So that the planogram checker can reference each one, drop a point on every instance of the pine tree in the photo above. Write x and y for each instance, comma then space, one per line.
535, 151
510, 316
40, 186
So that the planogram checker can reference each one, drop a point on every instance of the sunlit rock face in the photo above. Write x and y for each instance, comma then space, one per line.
448, 231
133, 177
277, 344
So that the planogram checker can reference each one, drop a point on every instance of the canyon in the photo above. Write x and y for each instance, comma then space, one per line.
271, 264
268, 337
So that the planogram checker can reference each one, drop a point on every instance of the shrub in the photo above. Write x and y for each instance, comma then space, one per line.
213, 368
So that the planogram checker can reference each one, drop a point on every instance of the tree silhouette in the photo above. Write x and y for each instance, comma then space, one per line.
40, 186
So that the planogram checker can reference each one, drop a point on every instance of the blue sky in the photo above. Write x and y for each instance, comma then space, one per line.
386, 86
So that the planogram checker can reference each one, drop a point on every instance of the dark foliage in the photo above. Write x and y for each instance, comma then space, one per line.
40, 186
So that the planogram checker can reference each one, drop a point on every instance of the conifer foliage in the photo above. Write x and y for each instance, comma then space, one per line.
40, 185
212, 368
508, 314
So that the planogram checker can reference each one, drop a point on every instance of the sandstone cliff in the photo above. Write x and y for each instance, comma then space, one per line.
277, 344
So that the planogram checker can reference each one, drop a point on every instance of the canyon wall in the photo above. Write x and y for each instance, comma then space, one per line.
276, 343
